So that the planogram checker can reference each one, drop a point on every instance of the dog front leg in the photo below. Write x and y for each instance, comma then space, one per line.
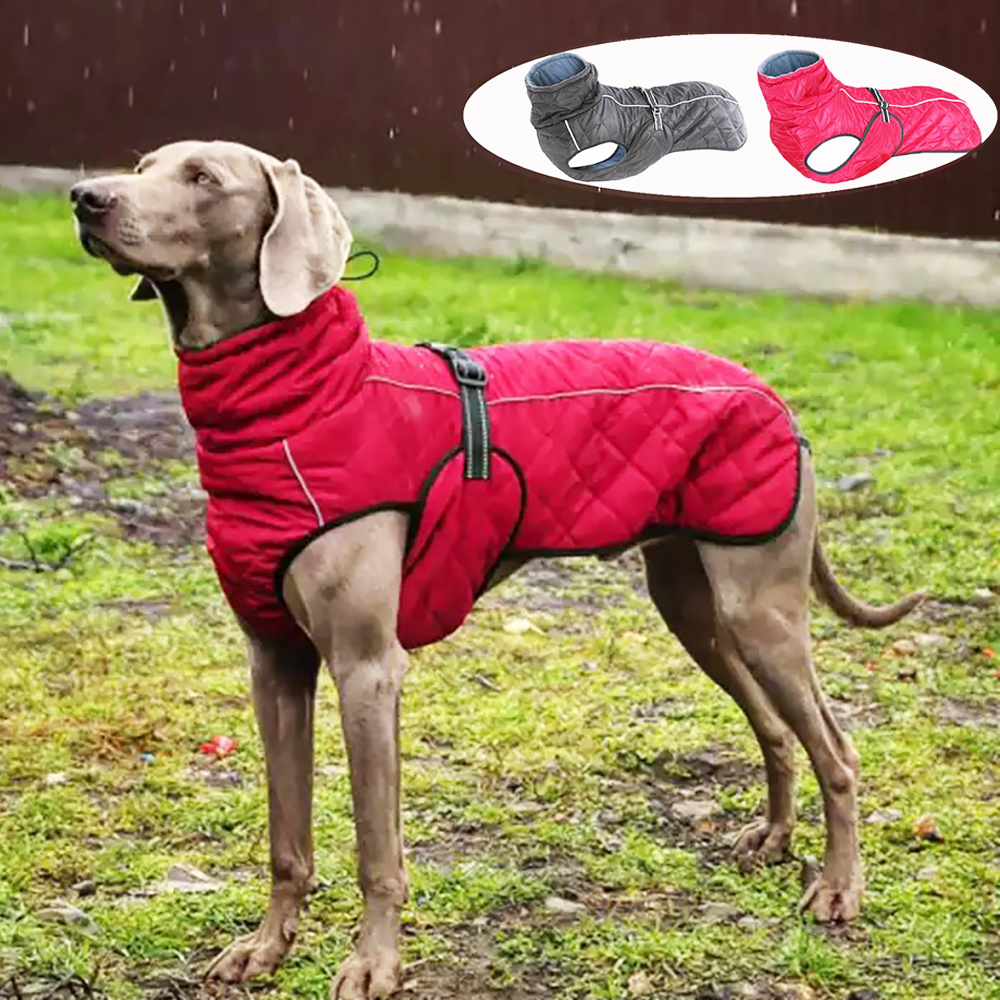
284, 689
344, 591
369, 708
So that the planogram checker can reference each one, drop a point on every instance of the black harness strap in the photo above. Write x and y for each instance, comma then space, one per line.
654, 107
883, 104
471, 378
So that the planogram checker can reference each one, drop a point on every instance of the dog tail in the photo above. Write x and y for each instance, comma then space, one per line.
853, 611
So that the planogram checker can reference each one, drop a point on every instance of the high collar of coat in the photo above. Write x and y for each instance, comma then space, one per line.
795, 80
559, 87
270, 382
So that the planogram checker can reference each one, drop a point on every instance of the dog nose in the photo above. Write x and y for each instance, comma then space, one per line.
91, 202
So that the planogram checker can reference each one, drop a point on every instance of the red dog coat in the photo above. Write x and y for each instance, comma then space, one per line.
809, 105
305, 423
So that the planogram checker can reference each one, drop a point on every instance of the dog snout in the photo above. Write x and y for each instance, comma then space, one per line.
91, 202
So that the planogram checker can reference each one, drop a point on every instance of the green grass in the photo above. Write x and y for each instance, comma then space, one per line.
532, 762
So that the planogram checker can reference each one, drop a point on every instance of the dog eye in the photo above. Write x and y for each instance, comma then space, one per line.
201, 178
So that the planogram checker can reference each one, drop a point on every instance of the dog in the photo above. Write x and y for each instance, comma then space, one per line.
245, 252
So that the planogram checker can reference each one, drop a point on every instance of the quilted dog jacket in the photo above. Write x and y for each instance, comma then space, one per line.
305, 423
571, 111
809, 105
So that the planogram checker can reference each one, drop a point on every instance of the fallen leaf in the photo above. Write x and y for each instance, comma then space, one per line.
926, 828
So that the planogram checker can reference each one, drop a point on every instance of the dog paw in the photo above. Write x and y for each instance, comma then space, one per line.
831, 903
370, 976
762, 843
257, 954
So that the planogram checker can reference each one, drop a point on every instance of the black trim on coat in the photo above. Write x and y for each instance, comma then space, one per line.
874, 118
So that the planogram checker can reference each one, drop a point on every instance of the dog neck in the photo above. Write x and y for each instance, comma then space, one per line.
202, 314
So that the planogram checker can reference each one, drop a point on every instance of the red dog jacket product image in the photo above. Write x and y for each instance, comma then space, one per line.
552, 448
809, 106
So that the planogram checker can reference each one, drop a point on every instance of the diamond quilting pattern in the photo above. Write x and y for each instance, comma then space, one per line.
810, 105
613, 439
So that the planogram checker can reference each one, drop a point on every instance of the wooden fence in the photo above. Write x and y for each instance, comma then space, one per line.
370, 94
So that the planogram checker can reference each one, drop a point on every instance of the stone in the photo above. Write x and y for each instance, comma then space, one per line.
695, 810
556, 904
854, 481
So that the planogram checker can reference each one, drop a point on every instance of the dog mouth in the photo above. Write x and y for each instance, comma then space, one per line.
100, 248
103, 250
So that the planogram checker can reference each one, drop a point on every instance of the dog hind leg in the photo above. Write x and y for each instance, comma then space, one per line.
761, 597
681, 592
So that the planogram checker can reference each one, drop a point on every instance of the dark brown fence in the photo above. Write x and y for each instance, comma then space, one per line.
370, 94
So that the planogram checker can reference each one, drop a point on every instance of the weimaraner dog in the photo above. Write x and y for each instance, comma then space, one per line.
229, 238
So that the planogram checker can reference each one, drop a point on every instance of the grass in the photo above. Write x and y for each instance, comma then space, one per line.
535, 765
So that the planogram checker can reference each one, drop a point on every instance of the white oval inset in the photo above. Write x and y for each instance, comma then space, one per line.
593, 156
832, 154
498, 115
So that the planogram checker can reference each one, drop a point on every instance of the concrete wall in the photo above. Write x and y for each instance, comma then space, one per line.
709, 253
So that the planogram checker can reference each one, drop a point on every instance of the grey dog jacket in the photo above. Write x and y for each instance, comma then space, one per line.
572, 110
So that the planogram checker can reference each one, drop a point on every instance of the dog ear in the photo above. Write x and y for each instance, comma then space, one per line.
144, 291
305, 250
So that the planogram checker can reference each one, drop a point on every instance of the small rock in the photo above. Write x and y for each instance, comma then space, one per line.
639, 984
718, 912
65, 913
19, 428
223, 779
186, 878
885, 816
519, 626
57, 778
695, 810
930, 640
85, 888
556, 904
905, 647
926, 828
854, 481
983, 597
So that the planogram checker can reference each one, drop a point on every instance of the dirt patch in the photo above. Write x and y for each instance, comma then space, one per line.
957, 712
72, 987
707, 769
859, 713
49, 450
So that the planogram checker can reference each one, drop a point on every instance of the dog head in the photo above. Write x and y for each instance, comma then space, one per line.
215, 229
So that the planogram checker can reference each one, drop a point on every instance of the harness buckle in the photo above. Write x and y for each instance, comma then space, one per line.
468, 371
